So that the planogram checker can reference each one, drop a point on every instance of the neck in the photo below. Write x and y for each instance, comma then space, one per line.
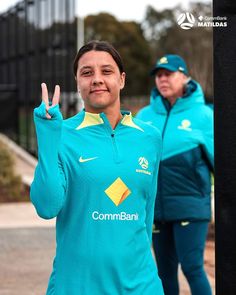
173, 99
113, 113
113, 118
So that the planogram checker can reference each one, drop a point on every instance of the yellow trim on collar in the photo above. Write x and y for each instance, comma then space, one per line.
128, 121
90, 119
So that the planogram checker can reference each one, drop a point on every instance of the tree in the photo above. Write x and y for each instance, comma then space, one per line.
128, 39
194, 45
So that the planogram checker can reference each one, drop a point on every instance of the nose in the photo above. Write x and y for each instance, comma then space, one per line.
161, 77
97, 79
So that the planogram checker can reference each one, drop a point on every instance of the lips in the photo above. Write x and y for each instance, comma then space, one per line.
98, 90
163, 88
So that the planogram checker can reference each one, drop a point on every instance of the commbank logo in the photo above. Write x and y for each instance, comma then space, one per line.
118, 191
123, 216
186, 20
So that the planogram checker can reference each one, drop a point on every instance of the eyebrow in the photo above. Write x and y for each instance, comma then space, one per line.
105, 66
85, 68
90, 67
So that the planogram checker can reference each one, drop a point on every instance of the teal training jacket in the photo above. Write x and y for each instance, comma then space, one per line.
101, 185
184, 184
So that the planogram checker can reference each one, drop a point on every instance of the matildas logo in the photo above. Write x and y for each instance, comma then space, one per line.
143, 162
163, 60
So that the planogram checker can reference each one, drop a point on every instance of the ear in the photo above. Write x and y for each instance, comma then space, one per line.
186, 78
122, 80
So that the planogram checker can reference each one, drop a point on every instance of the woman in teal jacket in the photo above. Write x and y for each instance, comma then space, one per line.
99, 184
183, 204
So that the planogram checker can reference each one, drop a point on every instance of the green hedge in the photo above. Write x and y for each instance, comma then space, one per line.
11, 187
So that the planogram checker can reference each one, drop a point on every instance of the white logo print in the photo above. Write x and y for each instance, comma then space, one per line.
185, 125
184, 223
143, 162
186, 20
81, 160
124, 216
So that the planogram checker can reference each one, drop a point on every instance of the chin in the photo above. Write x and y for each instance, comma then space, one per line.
99, 104
96, 107
165, 94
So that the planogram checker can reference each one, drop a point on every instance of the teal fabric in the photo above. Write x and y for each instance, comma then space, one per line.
184, 184
192, 108
102, 248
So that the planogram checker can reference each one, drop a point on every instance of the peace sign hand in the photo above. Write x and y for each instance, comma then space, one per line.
55, 99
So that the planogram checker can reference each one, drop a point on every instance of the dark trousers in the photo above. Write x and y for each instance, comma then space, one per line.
181, 243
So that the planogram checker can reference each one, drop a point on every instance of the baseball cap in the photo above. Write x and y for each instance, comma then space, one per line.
170, 62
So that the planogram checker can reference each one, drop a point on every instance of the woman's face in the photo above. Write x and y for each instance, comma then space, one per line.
170, 84
99, 81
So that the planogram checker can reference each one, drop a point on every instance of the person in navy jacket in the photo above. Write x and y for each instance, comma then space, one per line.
183, 206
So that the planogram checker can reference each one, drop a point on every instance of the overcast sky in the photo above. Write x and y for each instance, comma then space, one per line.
122, 9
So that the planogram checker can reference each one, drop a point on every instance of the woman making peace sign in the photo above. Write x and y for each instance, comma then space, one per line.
97, 174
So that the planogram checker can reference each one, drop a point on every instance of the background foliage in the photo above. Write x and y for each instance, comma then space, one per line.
140, 44
11, 188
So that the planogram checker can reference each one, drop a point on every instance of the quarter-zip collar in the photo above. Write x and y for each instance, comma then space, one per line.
92, 119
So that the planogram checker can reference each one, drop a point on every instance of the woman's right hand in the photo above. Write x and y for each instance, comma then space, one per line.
45, 99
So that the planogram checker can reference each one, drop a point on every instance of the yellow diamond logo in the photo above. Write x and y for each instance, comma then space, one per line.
118, 191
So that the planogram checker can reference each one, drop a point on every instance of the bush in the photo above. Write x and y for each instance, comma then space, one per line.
11, 187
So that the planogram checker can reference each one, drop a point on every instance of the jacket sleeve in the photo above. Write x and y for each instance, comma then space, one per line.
48, 189
153, 191
208, 137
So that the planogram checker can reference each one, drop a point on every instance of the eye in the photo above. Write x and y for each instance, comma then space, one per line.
86, 73
107, 71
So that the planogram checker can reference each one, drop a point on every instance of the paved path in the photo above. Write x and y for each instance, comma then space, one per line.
27, 245
21, 215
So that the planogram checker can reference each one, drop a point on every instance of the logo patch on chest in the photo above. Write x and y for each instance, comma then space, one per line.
143, 162
82, 160
118, 191
185, 125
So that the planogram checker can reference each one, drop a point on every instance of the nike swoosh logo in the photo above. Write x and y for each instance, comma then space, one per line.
184, 223
81, 160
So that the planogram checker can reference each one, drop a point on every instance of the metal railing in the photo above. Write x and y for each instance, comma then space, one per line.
9, 116
38, 44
